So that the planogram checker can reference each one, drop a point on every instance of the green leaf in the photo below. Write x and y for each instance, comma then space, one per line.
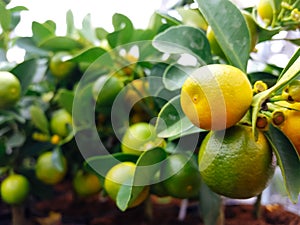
101, 33
175, 75
231, 31
41, 32
15, 16
292, 60
58, 159
88, 55
288, 161
5, 17
88, 30
211, 206
65, 98
39, 119
146, 167
30, 46
172, 121
25, 72
192, 17
60, 43
123, 30
17, 139
184, 40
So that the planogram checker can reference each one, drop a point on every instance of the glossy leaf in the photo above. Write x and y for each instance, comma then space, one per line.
25, 72
41, 32
146, 166
172, 121
30, 46
15, 15
39, 119
292, 60
123, 30
192, 17
184, 40
288, 161
58, 159
88, 55
60, 43
231, 31
175, 75
65, 98
17, 139
211, 206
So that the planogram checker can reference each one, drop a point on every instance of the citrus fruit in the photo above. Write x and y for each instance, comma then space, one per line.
140, 137
61, 122
10, 90
122, 174
47, 171
291, 125
14, 189
106, 89
86, 184
265, 11
215, 97
183, 177
59, 65
233, 164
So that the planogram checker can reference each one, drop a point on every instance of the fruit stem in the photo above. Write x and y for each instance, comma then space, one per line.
257, 207
183, 208
18, 215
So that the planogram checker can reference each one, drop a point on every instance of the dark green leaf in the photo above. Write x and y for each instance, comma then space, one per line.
17, 139
60, 43
123, 30
41, 32
39, 119
288, 161
25, 72
231, 31
88, 55
15, 15
175, 75
5, 17
172, 121
65, 99
211, 207
184, 40
58, 159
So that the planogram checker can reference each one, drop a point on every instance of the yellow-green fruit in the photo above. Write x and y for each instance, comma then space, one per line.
86, 184
122, 174
59, 65
61, 122
10, 90
140, 137
47, 171
233, 164
14, 189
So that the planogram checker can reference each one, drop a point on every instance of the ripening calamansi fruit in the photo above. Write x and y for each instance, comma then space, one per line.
140, 137
86, 184
14, 189
234, 164
215, 97
61, 122
122, 174
47, 171
59, 65
10, 90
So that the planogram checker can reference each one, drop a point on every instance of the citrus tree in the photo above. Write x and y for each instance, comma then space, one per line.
183, 108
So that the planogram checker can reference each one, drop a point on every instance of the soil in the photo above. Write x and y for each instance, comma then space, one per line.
67, 209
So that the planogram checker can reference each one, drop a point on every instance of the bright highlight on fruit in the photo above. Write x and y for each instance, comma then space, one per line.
216, 96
